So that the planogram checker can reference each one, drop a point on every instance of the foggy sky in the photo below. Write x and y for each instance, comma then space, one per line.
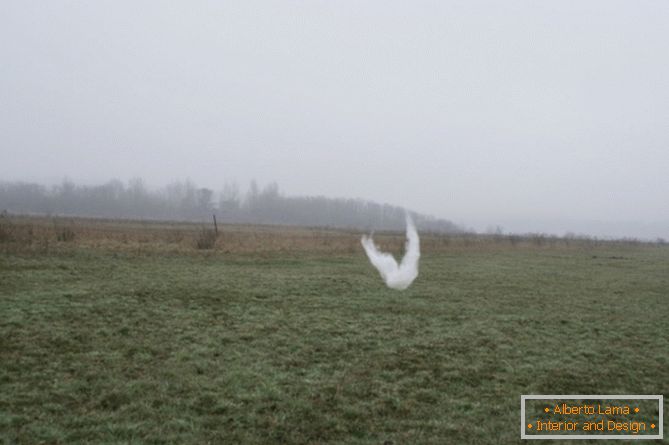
535, 116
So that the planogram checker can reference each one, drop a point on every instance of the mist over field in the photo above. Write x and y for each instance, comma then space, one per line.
185, 201
207, 207
534, 117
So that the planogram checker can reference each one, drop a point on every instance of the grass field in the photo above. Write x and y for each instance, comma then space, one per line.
126, 333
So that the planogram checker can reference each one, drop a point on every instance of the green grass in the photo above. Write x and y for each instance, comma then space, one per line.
106, 347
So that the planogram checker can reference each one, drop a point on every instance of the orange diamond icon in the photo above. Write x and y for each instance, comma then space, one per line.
636, 410
652, 425
529, 425
546, 409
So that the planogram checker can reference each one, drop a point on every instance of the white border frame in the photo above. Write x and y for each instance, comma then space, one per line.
660, 422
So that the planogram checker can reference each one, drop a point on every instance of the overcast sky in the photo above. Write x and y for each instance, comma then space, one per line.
543, 116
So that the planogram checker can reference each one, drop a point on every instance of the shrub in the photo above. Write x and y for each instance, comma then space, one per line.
65, 234
13, 233
206, 239
6, 232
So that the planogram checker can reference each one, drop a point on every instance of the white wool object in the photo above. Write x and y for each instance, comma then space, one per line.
396, 276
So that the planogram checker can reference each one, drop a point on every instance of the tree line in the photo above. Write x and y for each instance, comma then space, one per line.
185, 201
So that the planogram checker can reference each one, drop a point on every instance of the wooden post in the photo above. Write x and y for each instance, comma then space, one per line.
215, 225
